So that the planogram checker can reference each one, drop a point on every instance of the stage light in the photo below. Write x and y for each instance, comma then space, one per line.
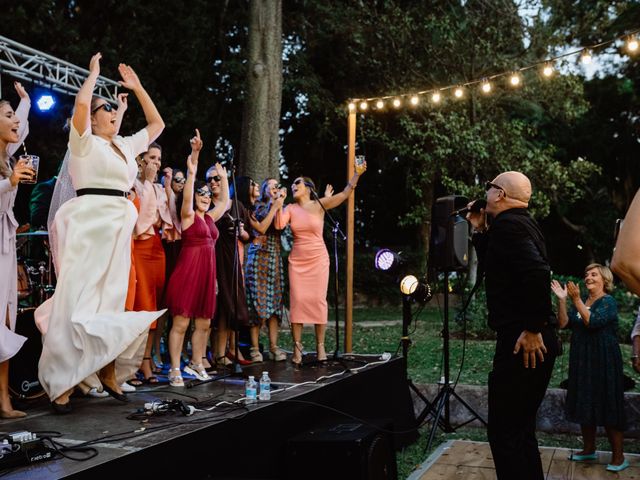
547, 71
397, 102
379, 104
45, 102
414, 100
586, 57
413, 288
386, 260
435, 98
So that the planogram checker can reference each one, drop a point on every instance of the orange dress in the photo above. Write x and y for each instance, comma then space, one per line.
308, 265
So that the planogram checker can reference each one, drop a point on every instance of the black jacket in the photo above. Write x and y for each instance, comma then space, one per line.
513, 257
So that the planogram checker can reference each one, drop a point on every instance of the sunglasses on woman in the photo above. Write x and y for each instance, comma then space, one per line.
203, 192
215, 178
107, 108
180, 180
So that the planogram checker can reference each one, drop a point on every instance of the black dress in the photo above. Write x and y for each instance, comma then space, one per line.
225, 253
595, 392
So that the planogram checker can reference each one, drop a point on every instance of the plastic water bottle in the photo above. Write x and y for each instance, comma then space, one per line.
265, 386
251, 390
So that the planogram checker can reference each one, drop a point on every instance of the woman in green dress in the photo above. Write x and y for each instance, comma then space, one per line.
595, 393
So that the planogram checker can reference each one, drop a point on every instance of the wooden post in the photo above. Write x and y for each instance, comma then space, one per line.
348, 318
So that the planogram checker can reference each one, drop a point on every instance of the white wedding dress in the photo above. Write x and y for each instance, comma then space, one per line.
84, 323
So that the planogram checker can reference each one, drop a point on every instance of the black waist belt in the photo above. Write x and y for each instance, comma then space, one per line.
101, 191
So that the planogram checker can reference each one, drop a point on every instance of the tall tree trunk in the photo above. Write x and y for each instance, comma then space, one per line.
260, 144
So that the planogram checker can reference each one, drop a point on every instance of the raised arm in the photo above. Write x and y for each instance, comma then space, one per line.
82, 109
186, 210
561, 293
223, 201
122, 107
626, 256
334, 200
22, 112
262, 225
130, 80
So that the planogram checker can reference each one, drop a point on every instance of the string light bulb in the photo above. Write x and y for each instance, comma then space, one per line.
515, 79
547, 70
632, 44
486, 86
379, 104
352, 106
364, 106
458, 92
586, 56
397, 102
435, 98
414, 100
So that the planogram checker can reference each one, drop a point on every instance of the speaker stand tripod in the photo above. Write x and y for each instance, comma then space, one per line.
442, 411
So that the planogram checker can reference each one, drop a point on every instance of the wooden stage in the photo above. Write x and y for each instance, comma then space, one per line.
457, 459
223, 438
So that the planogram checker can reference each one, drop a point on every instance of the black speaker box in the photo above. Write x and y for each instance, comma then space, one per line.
449, 243
343, 450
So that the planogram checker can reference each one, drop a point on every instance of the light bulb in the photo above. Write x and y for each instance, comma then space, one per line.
586, 57
435, 97
458, 92
352, 106
409, 284
379, 104
364, 105
547, 71
632, 44
486, 87
414, 100
514, 80
396, 102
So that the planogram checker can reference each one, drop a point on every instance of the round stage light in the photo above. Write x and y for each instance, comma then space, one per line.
45, 102
408, 285
386, 260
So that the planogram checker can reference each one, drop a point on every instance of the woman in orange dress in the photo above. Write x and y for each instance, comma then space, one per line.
309, 259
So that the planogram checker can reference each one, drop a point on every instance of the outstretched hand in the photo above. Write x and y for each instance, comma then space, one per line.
328, 191
94, 64
532, 347
220, 171
559, 290
22, 93
130, 79
573, 291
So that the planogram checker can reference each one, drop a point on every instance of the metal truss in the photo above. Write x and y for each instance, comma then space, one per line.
28, 64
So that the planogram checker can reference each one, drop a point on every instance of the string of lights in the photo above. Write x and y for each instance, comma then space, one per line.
486, 84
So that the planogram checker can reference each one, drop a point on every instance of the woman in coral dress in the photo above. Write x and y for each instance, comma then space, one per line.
309, 259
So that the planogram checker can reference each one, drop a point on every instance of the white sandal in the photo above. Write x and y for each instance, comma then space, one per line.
255, 355
176, 380
197, 370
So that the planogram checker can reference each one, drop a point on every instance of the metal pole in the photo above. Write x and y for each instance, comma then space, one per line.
348, 317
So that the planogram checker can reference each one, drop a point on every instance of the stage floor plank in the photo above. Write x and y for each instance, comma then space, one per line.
458, 459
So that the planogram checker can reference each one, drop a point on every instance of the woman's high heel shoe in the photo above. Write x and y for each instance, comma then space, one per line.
298, 353
321, 356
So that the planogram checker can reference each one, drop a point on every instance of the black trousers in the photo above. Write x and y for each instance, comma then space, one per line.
515, 394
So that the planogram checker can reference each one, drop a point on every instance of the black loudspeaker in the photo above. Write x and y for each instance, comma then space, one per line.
449, 242
343, 450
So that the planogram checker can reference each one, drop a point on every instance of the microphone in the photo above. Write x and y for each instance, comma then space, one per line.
474, 208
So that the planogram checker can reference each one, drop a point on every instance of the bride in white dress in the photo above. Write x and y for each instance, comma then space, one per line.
84, 323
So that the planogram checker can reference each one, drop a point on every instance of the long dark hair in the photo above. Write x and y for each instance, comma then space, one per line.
243, 185
196, 185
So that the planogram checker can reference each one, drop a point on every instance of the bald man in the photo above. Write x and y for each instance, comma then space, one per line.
512, 253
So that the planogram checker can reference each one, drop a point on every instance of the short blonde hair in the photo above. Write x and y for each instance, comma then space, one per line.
607, 276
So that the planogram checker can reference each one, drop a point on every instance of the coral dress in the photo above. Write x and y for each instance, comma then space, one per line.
84, 323
191, 291
308, 265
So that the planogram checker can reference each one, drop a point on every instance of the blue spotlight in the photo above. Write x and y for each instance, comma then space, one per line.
45, 102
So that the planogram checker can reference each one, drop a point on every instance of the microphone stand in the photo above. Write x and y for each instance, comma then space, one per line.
335, 230
237, 369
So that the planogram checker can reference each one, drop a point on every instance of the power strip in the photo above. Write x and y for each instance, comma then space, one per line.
23, 448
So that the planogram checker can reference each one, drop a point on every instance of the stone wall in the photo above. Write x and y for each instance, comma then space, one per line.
550, 416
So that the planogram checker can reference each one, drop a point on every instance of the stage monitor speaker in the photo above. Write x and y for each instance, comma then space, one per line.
343, 450
449, 242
